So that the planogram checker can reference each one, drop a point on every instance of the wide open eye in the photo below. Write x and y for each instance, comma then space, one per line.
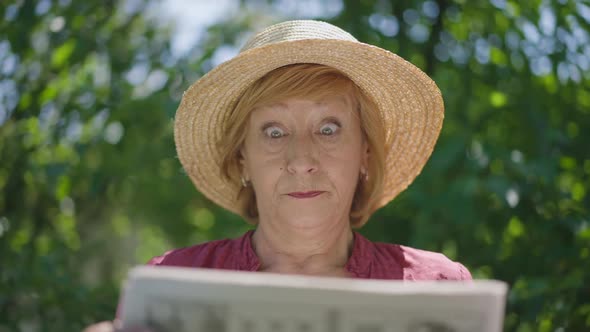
329, 129
274, 132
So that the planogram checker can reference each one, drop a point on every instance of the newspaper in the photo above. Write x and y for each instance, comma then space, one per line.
175, 299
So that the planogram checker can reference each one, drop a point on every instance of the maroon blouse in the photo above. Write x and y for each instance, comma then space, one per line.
368, 260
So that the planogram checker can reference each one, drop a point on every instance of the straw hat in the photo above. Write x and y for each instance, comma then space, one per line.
409, 102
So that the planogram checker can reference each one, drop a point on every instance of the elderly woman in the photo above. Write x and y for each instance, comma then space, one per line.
305, 134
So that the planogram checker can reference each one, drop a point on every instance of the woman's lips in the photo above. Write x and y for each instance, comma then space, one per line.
306, 194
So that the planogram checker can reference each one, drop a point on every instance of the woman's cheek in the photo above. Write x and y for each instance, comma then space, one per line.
273, 146
329, 144
340, 150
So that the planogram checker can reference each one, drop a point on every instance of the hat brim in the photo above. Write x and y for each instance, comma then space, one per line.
409, 102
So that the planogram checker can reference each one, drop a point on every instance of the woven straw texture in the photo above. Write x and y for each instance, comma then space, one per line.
409, 102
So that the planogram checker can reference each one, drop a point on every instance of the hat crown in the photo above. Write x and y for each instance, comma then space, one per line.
297, 30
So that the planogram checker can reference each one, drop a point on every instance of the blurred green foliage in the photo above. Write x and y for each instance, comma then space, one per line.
90, 185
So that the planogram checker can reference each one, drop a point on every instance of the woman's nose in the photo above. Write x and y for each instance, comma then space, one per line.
301, 156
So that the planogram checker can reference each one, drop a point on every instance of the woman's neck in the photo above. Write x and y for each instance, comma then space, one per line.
303, 251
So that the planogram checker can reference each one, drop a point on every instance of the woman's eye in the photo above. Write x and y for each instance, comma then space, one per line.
329, 129
274, 132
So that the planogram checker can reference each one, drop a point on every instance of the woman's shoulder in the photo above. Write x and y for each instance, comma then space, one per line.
196, 255
418, 264
219, 254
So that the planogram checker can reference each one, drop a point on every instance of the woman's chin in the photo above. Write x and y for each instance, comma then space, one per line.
308, 217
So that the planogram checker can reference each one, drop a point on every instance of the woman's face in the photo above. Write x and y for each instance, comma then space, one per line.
303, 159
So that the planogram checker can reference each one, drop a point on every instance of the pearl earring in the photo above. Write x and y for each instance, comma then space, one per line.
244, 183
365, 174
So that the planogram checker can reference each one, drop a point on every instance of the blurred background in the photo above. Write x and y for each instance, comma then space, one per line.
90, 184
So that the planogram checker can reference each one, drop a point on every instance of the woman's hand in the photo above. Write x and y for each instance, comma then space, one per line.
113, 327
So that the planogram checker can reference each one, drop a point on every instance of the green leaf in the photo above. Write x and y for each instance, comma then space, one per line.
498, 99
62, 54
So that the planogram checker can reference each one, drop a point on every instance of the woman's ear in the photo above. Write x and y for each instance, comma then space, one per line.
365, 153
244, 167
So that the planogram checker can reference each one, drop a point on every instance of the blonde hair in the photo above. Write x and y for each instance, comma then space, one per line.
315, 82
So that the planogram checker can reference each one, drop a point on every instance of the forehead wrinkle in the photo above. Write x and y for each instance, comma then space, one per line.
277, 107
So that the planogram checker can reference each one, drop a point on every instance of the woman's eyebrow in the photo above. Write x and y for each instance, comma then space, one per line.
333, 118
267, 124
